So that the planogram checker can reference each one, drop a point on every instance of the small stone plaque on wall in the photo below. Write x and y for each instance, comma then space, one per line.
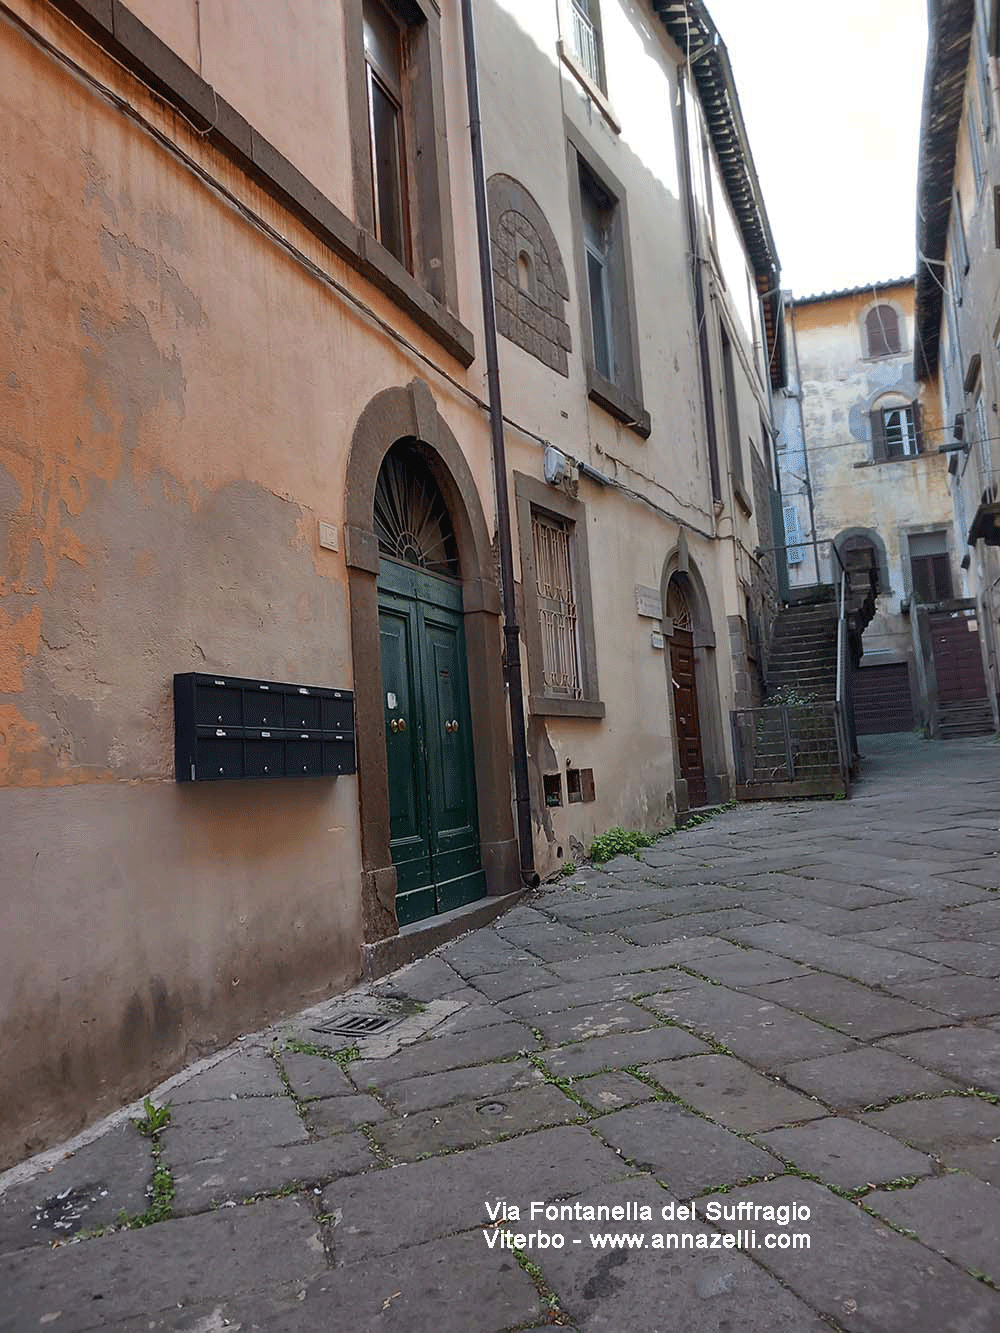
648, 603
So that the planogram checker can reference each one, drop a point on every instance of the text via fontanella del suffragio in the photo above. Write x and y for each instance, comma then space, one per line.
700, 1224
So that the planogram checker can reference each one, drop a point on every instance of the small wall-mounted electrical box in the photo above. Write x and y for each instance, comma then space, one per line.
228, 727
328, 536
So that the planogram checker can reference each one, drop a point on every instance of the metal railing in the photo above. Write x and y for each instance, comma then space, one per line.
585, 43
781, 743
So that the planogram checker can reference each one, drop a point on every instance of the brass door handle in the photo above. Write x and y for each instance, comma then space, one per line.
398, 724
450, 727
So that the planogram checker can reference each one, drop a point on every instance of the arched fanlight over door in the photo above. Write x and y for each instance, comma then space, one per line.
411, 518
677, 607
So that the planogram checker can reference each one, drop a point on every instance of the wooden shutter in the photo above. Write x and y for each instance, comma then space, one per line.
941, 577
878, 436
918, 427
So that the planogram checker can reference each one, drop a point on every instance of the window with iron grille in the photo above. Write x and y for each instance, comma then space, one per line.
552, 544
585, 23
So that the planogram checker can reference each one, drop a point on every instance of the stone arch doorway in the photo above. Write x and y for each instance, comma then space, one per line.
428, 549
700, 765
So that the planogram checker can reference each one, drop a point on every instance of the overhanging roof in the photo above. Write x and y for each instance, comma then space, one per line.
691, 27
949, 36
866, 288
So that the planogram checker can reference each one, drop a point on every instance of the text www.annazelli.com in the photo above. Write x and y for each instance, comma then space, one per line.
748, 1238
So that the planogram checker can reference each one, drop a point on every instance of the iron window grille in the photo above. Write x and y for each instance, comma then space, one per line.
586, 40
557, 610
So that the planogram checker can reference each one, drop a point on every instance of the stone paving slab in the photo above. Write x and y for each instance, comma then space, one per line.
644, 1291
599, 1020
849, 1007
334, 1115
956, 1215
684, 1151
748, 967
646, 959
982, 1160
981, 960
613, 1091
473, 1083
238, 1174
956, 996
384, 1211
764, 1034
251, 1073
970, 1055
184, 1261
730, 1093
436, 1054
197, 1128
621, 1051
938, 1124
866, 1076
470, 1124
519, 980
455, 1285
315, 1076
842, 1152
693, 924
862, 962
85, 1191
862, 1275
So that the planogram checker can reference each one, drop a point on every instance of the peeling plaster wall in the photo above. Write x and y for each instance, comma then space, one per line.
840, 386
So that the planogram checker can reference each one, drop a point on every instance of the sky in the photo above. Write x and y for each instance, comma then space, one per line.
831, 98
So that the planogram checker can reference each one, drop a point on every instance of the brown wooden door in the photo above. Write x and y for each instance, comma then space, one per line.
686, 716
958, 659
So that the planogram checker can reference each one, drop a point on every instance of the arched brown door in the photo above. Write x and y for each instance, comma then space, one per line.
682, 676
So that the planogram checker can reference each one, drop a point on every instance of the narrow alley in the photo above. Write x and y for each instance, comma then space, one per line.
788, 1004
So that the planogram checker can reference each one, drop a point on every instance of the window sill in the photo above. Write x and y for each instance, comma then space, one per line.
622, 406
544, 705
133, 45
593, 91
907, 458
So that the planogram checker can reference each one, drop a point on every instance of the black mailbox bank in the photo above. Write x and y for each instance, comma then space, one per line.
228, 727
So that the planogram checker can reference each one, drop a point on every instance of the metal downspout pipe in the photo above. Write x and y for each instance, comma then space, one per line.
511, 629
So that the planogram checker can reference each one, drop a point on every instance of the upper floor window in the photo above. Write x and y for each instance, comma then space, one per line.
983, 441
598, 219
882, 331
930, 567
983, 72
585, 20
384, 71
896, 432
975, 149
959, 247
399, 143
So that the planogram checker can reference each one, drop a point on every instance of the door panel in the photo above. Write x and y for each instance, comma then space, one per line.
432, 794
409, 839
958, 659
686, 716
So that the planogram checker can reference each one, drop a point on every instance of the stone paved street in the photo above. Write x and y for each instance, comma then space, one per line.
790, 1003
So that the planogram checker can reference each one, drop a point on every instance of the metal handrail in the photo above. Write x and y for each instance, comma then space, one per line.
795, 546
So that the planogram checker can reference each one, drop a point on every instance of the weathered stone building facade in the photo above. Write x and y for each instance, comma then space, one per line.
245, 436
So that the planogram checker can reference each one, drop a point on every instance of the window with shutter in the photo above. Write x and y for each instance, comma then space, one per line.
554, 587
793, 534
882, 331
930, 567
975, 149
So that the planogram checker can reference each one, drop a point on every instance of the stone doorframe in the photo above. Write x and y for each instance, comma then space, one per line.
411, 414
713, 749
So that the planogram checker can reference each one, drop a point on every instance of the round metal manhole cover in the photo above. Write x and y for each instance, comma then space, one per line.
491, 1108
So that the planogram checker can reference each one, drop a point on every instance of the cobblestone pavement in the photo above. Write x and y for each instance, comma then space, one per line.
791, 1003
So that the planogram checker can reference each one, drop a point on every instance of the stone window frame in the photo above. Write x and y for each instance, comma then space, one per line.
431, 226
905, 557
621, 398
535, 496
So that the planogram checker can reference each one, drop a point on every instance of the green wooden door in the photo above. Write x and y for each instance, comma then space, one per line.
432, 791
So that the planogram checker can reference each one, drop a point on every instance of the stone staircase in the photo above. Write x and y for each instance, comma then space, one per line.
973, 718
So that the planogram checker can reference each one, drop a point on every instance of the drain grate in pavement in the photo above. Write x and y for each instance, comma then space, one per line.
364, 1018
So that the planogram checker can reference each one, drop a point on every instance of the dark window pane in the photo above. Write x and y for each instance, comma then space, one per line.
387, 171
600, 315
382, 44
